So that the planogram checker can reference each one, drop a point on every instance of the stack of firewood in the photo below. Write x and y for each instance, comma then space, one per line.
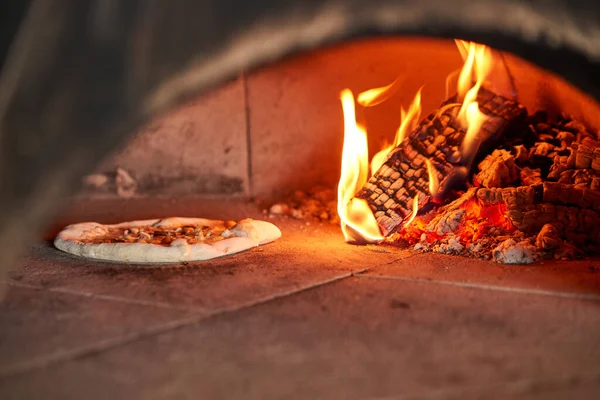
541, 174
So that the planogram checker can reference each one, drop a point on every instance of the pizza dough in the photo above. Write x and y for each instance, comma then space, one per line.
164, 240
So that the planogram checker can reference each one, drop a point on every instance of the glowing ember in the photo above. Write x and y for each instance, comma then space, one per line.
372, 97
357, 220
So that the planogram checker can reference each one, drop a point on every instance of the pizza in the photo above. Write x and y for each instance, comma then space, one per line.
164, 240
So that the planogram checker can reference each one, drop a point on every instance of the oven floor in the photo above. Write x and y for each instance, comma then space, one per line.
306, 317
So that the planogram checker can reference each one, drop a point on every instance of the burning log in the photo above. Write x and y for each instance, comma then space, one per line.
572, 210
581, 178
548, 238
509, 225
404, 175
536, 192
497, 170
531, 176
584, 157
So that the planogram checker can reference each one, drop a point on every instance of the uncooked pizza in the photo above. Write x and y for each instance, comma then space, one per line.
164, 240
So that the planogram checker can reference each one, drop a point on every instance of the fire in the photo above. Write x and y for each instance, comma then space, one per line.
380, 157
434, 183
478, 221
414, 212
474, 119
477, 61
408, 120
372, 97
357, 220
463, 48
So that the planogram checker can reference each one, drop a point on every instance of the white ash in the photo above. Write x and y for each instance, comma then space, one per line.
119, 181
446, 223
451, 245
475, 248
423, 247
96, 181
297, 214
279, 209
126, 185
511, 252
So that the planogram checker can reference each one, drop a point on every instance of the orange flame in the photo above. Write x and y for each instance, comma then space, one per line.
380, 157
463, 48
434, 183
357, 220
475, 119
478, 62
408, 121
450, 84
415, 210
372, 97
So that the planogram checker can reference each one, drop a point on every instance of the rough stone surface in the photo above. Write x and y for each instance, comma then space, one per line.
361, 338
295, 320
36, 322
200, 147
581, 277
282, 266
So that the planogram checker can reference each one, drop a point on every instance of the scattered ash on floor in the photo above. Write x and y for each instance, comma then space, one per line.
318, 204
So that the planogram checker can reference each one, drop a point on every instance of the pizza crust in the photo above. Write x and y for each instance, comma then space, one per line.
244, 235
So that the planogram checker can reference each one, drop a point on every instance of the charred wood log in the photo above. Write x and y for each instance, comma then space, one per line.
573, 210
581, 178
531, 176
497, 170
549, 238
584, 156
438, 137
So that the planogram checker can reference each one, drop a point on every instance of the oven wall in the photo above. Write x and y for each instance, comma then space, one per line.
279, 128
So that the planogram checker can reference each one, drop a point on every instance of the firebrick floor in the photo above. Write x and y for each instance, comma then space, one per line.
306, 317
